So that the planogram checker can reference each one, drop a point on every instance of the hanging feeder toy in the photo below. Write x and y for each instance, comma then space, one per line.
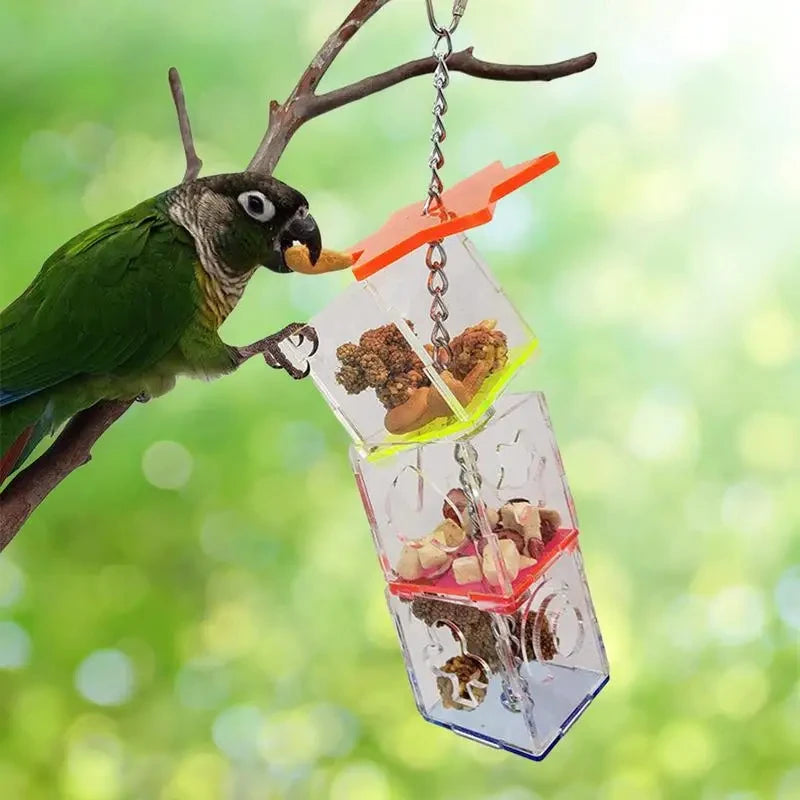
463, 484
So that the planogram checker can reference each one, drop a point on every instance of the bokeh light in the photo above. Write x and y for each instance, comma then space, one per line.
167, 465
15, 646
105, 677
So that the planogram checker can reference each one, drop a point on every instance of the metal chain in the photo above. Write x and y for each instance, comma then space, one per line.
436, 257
515, 695
515, 691
466, 456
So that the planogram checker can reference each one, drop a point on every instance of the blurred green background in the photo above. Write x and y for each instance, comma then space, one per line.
199, 614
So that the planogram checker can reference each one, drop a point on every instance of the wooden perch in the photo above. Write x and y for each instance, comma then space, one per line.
72, 447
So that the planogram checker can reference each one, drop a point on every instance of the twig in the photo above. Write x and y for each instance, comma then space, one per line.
72, 447
462, 61
283, 119
193, 162
303, 104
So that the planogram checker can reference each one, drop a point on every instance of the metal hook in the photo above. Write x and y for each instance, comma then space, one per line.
459, 7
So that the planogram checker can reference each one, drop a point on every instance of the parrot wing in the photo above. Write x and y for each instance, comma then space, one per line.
114, 299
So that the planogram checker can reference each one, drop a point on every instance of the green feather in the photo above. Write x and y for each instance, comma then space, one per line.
104, 309
114, 299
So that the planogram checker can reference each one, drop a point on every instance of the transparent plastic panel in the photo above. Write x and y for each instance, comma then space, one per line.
516, 681
372, 364
345, 319
417, 511
473, 299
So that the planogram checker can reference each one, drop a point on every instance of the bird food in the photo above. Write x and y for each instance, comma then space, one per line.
475, 625
463, 686
384, 361
454, 551
298, 259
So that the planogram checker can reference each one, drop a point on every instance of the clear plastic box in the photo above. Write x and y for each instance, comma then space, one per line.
463, 485
371, 386
423, 537
516, 680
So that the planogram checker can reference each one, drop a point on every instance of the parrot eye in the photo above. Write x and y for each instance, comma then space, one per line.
302, 212
257, 206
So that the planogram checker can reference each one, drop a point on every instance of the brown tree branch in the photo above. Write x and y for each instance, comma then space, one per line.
303, 104
193, 162
72, 448
283, 117
462, 61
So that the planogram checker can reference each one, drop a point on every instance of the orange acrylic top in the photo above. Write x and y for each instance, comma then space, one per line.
465, 205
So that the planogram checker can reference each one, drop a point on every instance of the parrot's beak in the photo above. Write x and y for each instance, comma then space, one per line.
305, 231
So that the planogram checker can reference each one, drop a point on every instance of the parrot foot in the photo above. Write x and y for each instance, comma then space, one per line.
270, 348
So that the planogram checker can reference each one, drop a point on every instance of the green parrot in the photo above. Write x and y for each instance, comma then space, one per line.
122, 309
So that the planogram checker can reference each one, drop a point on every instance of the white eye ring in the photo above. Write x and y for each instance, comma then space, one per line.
257, 206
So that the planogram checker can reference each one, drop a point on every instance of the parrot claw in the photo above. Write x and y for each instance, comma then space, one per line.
279, 361
270, 348
307, 333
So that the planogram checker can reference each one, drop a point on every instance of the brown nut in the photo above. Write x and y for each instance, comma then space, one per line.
517, 538
550, 520
297, 258
409, 416
535, 547
457, 498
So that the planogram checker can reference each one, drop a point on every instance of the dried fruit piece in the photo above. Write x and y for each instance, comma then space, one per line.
522, 518
352, 378
550, 521
467, 570
457, 498
432, 556
478, 344
535, 547
408, 565
348, 353
504, 533
383, 360
510, 556
395, 391
517, 538
374, 370
450, 534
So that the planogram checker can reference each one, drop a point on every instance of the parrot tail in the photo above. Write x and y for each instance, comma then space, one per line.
13, 456
18, 451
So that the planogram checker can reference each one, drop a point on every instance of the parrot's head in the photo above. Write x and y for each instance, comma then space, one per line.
249, 220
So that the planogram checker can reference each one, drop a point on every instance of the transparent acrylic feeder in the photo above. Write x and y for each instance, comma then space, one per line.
384, 321
506, 650
463, 485
516, 680
408, 505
